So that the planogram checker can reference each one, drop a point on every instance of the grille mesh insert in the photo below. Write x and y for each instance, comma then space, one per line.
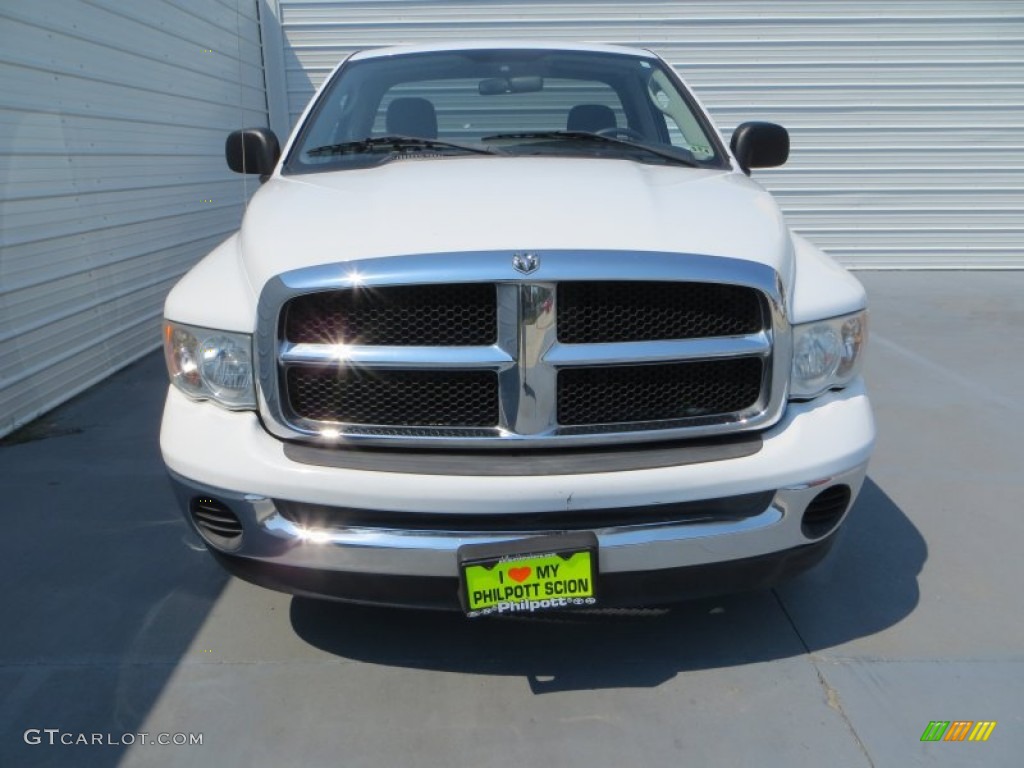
413, 315
394, 398
624, 394
597, 312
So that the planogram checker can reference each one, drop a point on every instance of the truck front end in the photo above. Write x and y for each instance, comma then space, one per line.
450, 362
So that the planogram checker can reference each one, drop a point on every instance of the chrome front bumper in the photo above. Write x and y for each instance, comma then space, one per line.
214, 453
270, 537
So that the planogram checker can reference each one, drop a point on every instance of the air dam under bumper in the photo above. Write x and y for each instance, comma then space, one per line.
228, 457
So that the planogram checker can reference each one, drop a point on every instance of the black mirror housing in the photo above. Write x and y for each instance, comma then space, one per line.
759, 145
252, 150
498, 85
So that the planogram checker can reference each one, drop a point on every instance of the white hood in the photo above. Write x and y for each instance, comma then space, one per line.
498, 203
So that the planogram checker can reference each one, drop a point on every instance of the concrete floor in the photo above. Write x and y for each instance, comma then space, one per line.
119, 622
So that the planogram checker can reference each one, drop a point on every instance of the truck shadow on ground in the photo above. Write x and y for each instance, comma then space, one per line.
868, 583
108, 585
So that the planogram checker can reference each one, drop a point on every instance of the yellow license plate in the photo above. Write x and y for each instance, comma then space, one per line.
532, 574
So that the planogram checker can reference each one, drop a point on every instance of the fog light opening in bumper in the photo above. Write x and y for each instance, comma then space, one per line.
216, 522
825, 511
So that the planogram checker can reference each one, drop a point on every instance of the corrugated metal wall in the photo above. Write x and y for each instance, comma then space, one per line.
906, 115
113, 117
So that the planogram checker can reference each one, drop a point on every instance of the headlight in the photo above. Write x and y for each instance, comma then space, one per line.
207, 364
827, 353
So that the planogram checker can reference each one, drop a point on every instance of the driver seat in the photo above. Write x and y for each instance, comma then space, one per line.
590, 118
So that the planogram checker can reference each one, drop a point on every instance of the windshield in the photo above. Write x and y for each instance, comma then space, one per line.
504, 102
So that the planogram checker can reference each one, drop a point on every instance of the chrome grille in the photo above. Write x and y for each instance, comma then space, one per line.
593, 312
458, 349
613, 395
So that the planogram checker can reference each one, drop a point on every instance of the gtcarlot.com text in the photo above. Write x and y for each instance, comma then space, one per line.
55, 736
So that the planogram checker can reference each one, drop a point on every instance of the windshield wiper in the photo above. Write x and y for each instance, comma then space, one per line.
675, 154
397, 144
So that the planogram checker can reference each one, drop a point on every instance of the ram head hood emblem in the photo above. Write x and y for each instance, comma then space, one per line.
526, 262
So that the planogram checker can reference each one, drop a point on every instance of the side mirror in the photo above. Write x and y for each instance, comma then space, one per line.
759, 145
252, 150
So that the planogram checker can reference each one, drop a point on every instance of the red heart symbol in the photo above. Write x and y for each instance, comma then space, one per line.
519, 574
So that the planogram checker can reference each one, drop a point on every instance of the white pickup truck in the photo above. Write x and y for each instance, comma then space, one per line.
509, 328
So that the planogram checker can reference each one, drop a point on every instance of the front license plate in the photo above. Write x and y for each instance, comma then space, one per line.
540, 573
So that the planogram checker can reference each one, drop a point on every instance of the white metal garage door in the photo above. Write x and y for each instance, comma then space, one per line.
113, 116
906, 115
